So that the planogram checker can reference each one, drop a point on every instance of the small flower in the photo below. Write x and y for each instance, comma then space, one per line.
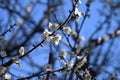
70, 64
106, 37
2, 69
7, 76
99, 40
79, 1
63, 53
48, 67
82, 38
74, 34
77, 15
76, 12
67, 30
53, 27
28, 9
15, 59
118, 32
22, 50
19, 21
3, 54
56, 39
46, 36
79, 57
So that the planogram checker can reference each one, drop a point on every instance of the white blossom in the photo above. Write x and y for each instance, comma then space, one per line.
56, 39
28, 9
19, 21
15, 59
118, 32
106, 37
22, 50
63, 53
82, 38
3, 54
67, 30
79, 1
78, 14
99, 39
74, 34
7, 76
79, 57
70, 64
2, 69
76, 10
54, 26
46, 36
48, 67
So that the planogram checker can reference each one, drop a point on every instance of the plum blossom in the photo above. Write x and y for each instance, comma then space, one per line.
28, 9
19, 21
77, 14
22, 50
54, 26
56, 39
2, 69
70, 64
82, 38
7, 76
15, 59
79, 1
67, 30
48, 67
74, 34
63, 53
46, 36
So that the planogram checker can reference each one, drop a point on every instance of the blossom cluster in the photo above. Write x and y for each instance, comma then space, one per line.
51, 38
6, 75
